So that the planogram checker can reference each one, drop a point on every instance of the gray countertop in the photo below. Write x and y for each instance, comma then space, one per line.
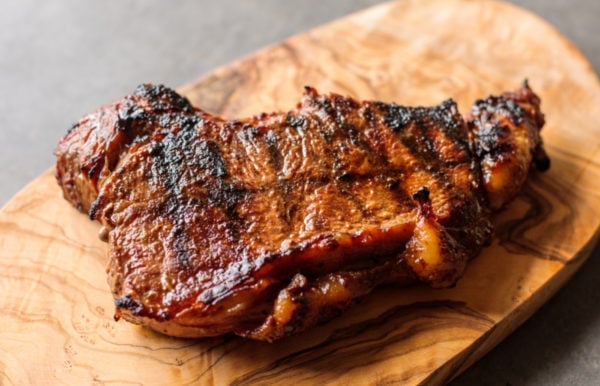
62, 59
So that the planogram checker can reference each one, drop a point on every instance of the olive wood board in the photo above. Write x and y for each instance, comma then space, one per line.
57, 310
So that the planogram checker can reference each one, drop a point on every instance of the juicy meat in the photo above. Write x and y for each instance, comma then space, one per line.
268, 225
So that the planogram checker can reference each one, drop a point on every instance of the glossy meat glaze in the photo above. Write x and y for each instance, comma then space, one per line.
269, 225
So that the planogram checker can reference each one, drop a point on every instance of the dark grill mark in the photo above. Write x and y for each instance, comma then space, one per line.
210, 159
226, 195
184, 148
275, 155
179, 236
418, 128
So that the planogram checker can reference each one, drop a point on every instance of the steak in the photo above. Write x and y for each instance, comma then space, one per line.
269, 225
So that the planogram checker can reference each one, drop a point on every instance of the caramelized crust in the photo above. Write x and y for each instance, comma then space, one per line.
268, 225
91, 149
507, 139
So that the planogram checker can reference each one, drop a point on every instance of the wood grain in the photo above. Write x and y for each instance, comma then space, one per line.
57, 324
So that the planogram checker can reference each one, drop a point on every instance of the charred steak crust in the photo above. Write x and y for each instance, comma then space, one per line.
506, 130
269, 225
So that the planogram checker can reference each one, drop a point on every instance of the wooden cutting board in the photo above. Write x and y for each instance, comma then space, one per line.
56, 319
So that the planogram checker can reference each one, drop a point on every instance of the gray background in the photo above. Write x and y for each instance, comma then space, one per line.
61, 59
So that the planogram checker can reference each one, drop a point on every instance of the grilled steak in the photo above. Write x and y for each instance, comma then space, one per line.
269, 225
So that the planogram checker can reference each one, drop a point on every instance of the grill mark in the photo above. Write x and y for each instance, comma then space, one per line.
182, 160
428, 121
324, 127
165, 169
389, 179
344, 132
179, 234
394, 176
417, 136
275, 156
290, 206
227, 196
383, 172
376, 133
209, 158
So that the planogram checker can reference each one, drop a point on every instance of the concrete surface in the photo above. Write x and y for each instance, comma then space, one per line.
61, 59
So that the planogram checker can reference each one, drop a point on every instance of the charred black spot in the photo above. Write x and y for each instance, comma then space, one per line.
162, 98
249, 132
325, 104
342, 107
346, 177
492, 139
398, 117
165, 168
421, 195
392, 183
447, 114
492, 104
296, 121
517, 113
187, 124
129, 111
126, 302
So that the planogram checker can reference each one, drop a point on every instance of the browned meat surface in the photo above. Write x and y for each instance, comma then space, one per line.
269, 225
506, 137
